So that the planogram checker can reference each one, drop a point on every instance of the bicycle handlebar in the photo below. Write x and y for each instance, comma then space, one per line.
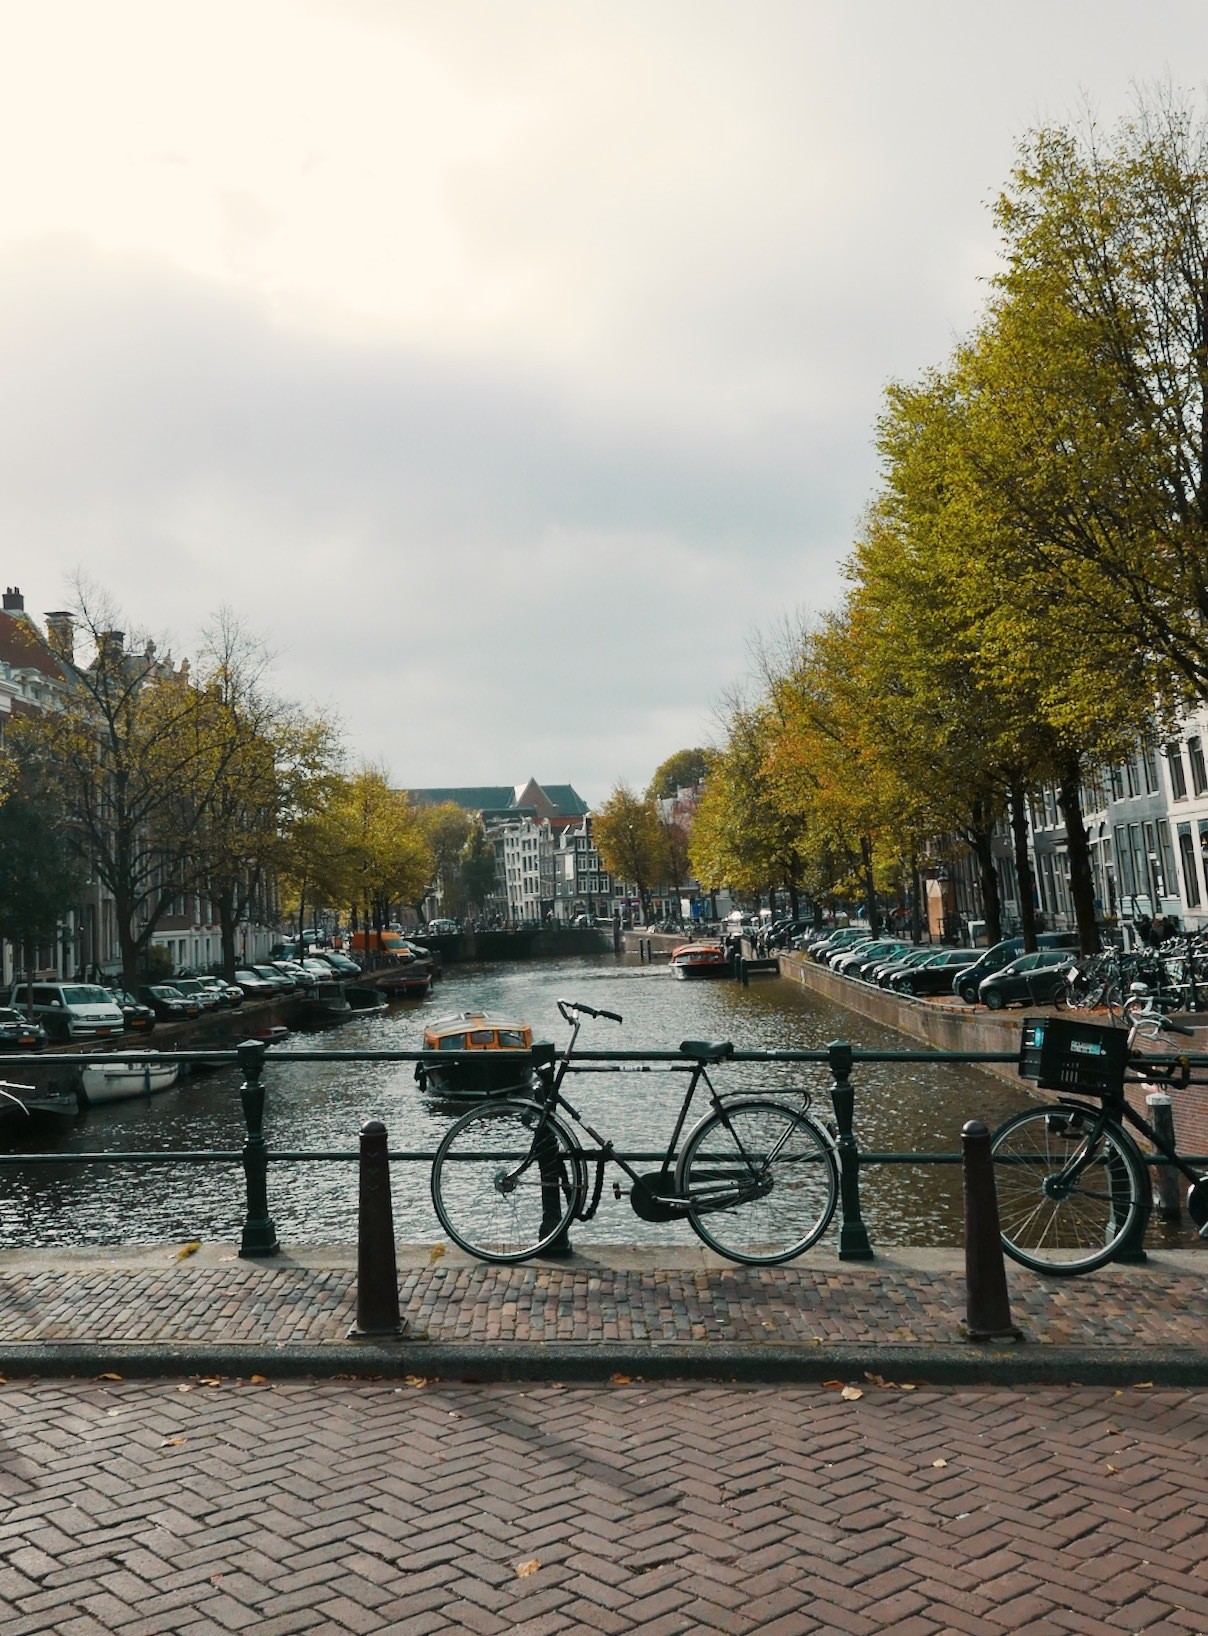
566, 1007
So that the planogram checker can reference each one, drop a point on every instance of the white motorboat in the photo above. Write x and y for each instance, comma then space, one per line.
125, 1078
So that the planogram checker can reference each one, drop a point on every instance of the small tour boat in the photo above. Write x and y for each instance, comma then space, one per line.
325, 1004
505, 1063
700, 960
364, 1000
405, 983
125, 1078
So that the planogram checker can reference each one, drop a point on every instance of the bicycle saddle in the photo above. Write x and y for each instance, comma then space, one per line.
707, 1050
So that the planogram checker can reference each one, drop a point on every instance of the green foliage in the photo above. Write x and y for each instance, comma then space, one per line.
680, 771
40, 877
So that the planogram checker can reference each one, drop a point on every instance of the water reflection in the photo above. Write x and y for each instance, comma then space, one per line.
904, 1106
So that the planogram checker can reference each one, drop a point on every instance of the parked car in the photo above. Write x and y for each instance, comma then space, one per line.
18, 1033
888, 969
934, 976
845, 938
342, 964
297, 973
1001, 954
194, 989
168, 1003
140, 1018
280, 982
1033, 979
70, 1011
254, 986
229, 994
864, 964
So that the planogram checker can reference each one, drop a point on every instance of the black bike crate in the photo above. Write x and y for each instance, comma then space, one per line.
1073, 1056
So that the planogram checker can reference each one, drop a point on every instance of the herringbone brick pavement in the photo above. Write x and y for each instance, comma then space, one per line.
219, 1506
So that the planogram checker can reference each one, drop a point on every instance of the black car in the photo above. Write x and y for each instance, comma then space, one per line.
1003, 954
934, 976
1033, 979
18, 1033
168, 1003
140, 1019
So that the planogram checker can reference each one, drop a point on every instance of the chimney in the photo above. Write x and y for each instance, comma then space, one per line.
14, 602
60, 636
111, 647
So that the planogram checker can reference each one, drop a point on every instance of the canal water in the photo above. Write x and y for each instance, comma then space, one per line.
899, 1107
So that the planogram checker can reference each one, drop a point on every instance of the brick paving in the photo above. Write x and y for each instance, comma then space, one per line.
310, 1297
431, 1506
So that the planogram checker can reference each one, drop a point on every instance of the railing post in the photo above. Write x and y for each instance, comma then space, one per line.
853, 1236
377, 1265
1169, 1188
259, 1234
987, 1303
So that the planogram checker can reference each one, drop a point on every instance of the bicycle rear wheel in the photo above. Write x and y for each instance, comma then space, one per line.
1067, 1198
507, 1180
760, 1181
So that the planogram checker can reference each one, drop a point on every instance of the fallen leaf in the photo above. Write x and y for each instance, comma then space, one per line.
258, 1380
1110, 1467
851, 1393
877, 1380
188, 1249
184, 1388
1139, 1386
907, 1386
524, 1569
832, 1385
620, 1380
209, 1380
938, 1463
415, 1380
435, 1253
172, 1442
109, 1377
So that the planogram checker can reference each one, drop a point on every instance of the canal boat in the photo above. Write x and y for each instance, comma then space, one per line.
327, 1003
125, 1078
502, 1062
700, 960
365, 1001
405, 983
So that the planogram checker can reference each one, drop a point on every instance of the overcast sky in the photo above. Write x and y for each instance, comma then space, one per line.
506, 364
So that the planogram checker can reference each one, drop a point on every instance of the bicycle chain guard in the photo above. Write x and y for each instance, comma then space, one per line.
649, 1198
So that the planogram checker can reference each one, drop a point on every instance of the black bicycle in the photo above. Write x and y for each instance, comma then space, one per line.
1073, 1184
756, 1178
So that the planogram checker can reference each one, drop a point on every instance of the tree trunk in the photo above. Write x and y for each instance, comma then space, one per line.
227, 922
916, 900
1023, 865
1082, 880
981, 835
870, 893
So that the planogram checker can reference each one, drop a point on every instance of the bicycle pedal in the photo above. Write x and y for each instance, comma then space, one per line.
619, 1192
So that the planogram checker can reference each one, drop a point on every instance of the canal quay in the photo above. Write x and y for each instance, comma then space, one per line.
636, 1438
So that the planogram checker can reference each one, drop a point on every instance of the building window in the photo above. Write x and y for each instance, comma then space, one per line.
1117, 782
1191, 880
1130, 777
1174, 765
1199, 773
1149, 765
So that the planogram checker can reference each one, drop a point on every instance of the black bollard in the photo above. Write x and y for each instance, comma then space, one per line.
259, 1234
853, 1235
377, 1270
1169, 1190
988, 1307
743, 974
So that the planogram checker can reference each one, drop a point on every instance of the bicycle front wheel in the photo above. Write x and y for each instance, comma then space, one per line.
507, 1180
1067, 1197
760, 1181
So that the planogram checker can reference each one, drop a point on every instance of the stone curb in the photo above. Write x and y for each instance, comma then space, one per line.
977, 1364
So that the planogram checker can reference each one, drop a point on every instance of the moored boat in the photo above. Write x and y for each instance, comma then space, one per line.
327, 1003
502, 1061
125, 1078
700, 960
364, 1000
405, 982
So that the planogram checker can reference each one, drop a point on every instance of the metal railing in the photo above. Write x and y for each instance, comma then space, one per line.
259, 1234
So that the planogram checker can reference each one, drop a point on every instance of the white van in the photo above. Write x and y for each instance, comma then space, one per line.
71, 1011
